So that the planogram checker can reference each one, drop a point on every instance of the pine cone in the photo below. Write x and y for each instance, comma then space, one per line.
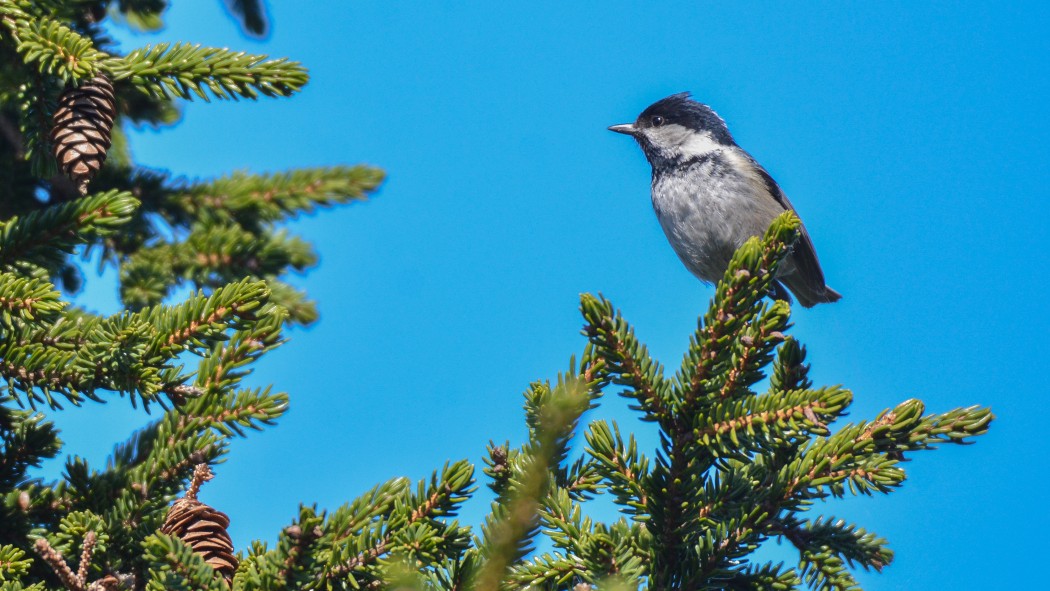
202, 528
80, 135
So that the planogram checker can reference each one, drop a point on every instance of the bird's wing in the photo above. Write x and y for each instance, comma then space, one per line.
804, 254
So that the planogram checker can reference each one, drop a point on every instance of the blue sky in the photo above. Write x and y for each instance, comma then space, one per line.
912, 140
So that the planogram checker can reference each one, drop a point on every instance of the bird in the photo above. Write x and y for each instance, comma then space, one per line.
710, 196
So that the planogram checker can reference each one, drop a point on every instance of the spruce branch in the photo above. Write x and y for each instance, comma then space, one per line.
903, 428
739, 323
539, 416
65, 10
737, 301
42, 238
545, 571
393, 521
563, 522
249, 198
864, 456
175, 565
732, 487
165, 454
627, 361
13, 9
838, 468
554, 413
185, 70
79, 354
214, 256
211, 256
231, 412
26, 439
220, 251
148, 276
767, 577
57, 50
735, 468
13, 563
624, 469
201, 321
827, 545
38, 370
224, 366
296, 549
498, 466
581, 481
748, 425
36, 100
752, 351
25, 300
300, 309
598, 552
790, 371
353, 517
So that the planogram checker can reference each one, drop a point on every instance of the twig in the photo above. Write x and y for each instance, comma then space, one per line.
201, 474
58, 564
90, 539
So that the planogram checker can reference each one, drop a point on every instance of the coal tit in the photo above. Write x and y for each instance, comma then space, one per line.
711, 196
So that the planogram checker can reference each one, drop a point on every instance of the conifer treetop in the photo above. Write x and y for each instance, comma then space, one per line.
748, 446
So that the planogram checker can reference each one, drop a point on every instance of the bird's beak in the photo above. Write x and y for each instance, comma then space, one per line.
625, 128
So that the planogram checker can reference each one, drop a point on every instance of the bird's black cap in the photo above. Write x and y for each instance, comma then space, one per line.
684, 111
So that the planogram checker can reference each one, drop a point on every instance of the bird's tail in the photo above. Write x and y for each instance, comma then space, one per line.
811, 295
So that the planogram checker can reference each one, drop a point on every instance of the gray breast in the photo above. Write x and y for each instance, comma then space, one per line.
708, 210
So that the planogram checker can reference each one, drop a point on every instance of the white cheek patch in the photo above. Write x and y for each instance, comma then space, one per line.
677, 141
698, 144
673, 141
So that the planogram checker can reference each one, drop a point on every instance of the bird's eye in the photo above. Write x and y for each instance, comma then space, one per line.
657, 121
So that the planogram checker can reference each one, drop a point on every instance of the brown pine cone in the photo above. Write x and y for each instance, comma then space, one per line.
202, 528
81, 126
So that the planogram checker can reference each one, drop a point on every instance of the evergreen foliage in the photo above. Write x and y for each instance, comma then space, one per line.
738, 463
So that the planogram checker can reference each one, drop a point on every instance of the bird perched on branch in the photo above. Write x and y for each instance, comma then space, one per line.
711, 196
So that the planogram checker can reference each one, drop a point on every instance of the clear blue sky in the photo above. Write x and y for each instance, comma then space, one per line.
912, 139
